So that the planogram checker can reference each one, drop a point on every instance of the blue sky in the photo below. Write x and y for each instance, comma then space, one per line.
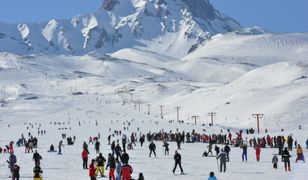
273, 15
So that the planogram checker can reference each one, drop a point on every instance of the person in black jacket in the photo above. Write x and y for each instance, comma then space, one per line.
166, 145
227, 149
37, 158
152, 148
124, 158
37, 170
286, 159
97, 145
15, 172
112, 165
100, 160
177, 159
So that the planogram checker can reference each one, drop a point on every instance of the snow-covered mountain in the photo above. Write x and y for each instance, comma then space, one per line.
172, 52
118, 24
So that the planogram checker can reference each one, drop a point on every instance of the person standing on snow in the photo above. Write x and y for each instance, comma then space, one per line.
166, 145
111, 164
126, 171
275, 161
307, 144
84, 156
300, 155
223, 159
118, 169
37, 158
97, 145
12, 161
244, 153
152, 148
37, 170
60, 146
92, 170
286, 159
100, 165
227, 150
177, 159
15, 172
258, 152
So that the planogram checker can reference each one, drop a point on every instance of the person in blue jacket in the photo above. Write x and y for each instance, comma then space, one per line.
212, 176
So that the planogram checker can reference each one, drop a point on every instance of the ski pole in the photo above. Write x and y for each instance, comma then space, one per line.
217, 164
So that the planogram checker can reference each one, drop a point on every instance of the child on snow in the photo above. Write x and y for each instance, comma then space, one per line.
212, 176
275, 161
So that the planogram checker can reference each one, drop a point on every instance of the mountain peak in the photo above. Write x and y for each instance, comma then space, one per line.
108, 5
169, 24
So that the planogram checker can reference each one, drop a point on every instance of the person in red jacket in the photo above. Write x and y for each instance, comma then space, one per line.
92, 170
126, 172
84, 156
258, 152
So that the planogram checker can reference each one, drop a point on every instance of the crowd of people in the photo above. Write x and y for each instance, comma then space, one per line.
117, 161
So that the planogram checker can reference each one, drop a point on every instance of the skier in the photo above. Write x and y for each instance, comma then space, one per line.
152, 148
177, 159
15, 172
111, 164
126, 172
166, 145
37, 158
244, 153
223, 159
275, 161
60, 146
100, 160
84, 156
258, 152
212, 176
92, 170
37, 170
286, 158
300, 155
97, 145
307, 144
118, 169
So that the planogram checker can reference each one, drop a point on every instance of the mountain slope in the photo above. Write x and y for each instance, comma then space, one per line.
121, 24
